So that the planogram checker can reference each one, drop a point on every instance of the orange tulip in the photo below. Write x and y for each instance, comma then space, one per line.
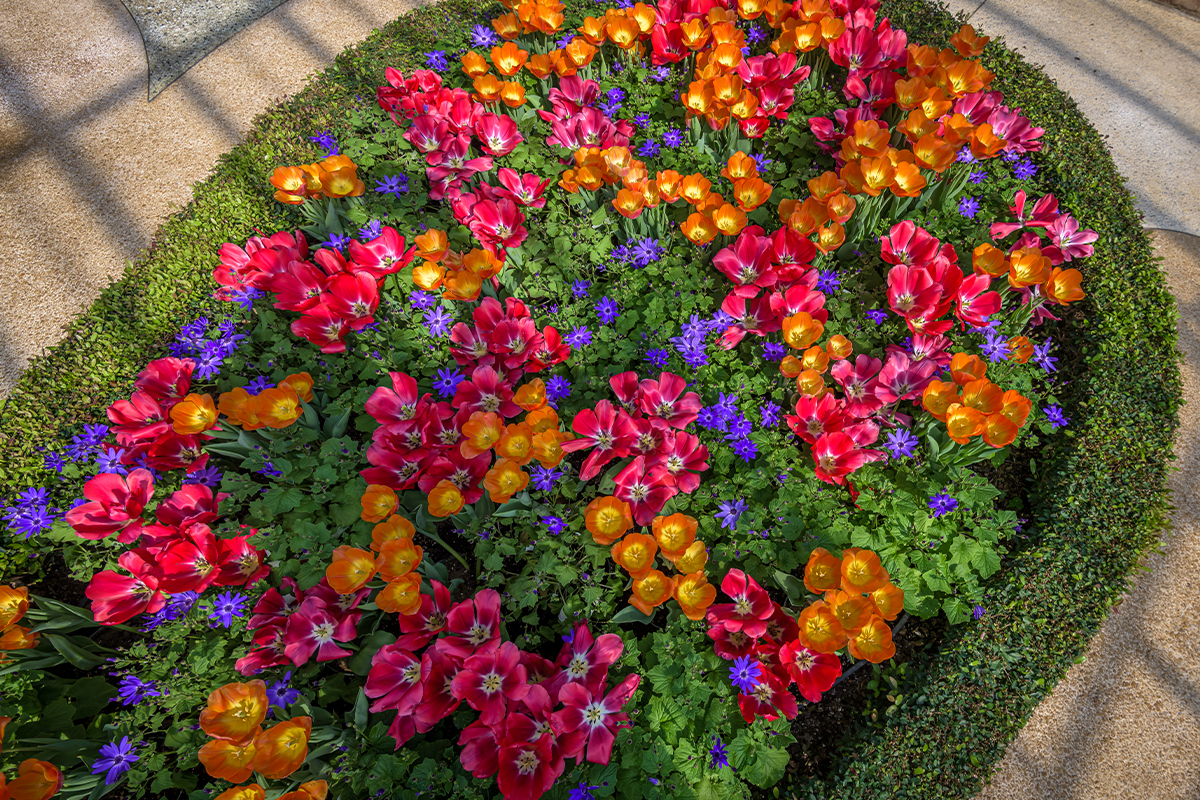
935, 106
1016, 407
579, 52
607, 519
1062, 288
14, 603
394, 527
740, 166
36, 780
873, 642
512, 94
562, 65
985, 143
629, 204
432, 244
693, 559
487, 88
401, 596
750, 193
278, 407
787, 207
428, 276
699, 229
967, 43
350, 570
622, 32
668, 185
999, 431
481, 431
816, 359
910, 93
908, 181
18, 637
694, 594
694, 188
839, 348
712, 202
987, 260
228, 760
878, 174
517, 444
698, 99
445, 499
651, 590
938, 397
251, 791
966, 77
674, 534
1020, 349
851, 608
508, 26
462, 285
823, 572
313, 790
830, 237
241, 407
397, 558
301, 383
862, 571
283, 748
635, 554
889, 601
820, 629
965, 368
917, 125
547, 445
832, 28
540, 65
729, 220
482, 263
983, 396
810, 216
800, 330
810, 383
342, 183
235, 711
790, 367
509, 59
505, 479
592, 30
292, 184
378, 503
963, 423
474, 65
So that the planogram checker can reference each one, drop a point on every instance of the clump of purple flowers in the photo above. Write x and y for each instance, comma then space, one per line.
206, 344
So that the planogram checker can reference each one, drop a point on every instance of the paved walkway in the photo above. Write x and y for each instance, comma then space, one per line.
88, 169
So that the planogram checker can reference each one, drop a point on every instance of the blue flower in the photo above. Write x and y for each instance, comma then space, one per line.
744, 448
673, 138
579, 338
448, 380
770, 414
109, 461
544, 478
116, 759
53, 461
829, 282
1041, 355
649, 149
1055, 415
730, 512
555, 525
580, 288
394, 185
227, 606
132, 690
438, 321
978, 612
942, 504
719, 753
557, 388
325, 139
995, 347
280, 694
1025, 170
641, 120
483, 36
774, 351
965, 156
436, 60
978, 176
371, 230
607, 310
422, 300
209, 476
877, 315
744, 674
582, 792
337, 241
658, 357
968, 207
902, 443
646, 251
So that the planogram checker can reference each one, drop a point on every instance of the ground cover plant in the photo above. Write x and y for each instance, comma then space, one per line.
799, 417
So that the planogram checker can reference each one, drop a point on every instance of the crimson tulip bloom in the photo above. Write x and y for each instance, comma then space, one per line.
816, 417
474, 626
383, 255
798, 298
757, 318
664, 398
908, 245
550, 350
239, 563
299, 288
526, 769
178, 451
190, 564
397, 471
116, 506
480, 753
591, 720
138, 418
768, 700
354, 298
748, 261
813, 672
606, 429
526, 190
646, 489
167, 380
187, 505
323, 328
420, 629
118, 598
585, 660
312, 629
486, 391
513, 340
465, 473
681, 456
859, 383
394, 680
836, 455
437, 678
498, 136
901, 379
730, 645
488, 681
402, 403
750, 609
1044, 212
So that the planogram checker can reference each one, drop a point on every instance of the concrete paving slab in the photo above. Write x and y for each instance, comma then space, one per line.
1134, 68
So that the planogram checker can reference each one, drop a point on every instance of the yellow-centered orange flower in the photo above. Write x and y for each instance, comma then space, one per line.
278, 407
428, 275
512, 94
607, 519
750, 193
963, 423
830, 237
873, 642
474, 65
810, 383
790, 367
193, 414
693, 559
862, 571
889, 601
540, 65
694, 188
1016, 407
462, 285
228, 760
839, 347
699, 229
651, 590
987, 260
674, 534
14, 603
445, 499
291, 184
547, 447
983, 396
967, 43
999, 431
508, 59
516, 445
481, 431
18, 637
729, 219
1020, 349
235, 711
508, 26
814, 358
487, 88
432, 244
694, 594
241, 407
394, 527
1063, 286
800, 330
938, 397
628, 203
820, 629
965, 368
350, 569
985, 143
312, 790
401, 596
635, 554
908, 181
251, 791
301, 383
841, 208
397, 558
282, 748
823, 572
379, 502
504, 479
851, 608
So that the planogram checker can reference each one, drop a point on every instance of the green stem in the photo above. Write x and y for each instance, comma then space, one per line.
449, 550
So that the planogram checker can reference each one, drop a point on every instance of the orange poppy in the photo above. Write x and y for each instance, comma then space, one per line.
693, 559
987, 260
547, 446
36, 780
505, 479
889, 601
445, 499
481, 431
278, 407
694, 594
862, 571
823, 572
999, 431
873, 642
1016, 407
394, 527
193, 414
379, 502
283, 748
851, 608
699, 229
1062, 288
938, 397
401, 596
512, 94
635, 553
790, 367
820, 629
291, 183
674, 534
839, 347
810, 383
729, 220
963, 422
228, 760
14, 603
651, 590
350, 570
607, 519
235, 711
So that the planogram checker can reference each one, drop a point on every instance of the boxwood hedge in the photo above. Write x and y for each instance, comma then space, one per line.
1096, 499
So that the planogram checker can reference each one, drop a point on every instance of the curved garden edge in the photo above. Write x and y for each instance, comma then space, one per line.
1098, 506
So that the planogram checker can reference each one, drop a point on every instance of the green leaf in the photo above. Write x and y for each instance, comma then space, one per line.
73, 653
768, 766
986, 560
630, 614
281, 499
360, 662
793, 586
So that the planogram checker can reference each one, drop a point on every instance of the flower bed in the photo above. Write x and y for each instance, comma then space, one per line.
696, 452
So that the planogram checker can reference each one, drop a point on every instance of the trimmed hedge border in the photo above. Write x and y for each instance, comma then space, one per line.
1100, 496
